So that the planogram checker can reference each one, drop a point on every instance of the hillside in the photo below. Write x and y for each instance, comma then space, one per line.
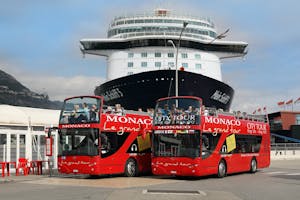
12, 92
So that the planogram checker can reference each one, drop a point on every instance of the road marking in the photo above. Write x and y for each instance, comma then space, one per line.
112, 182
175, 192
278, 172
293, 174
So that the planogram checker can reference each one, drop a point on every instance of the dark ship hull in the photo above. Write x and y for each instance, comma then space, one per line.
143, 89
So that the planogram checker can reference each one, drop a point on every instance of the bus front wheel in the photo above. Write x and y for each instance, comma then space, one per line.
222, 169
253, 165
131, 168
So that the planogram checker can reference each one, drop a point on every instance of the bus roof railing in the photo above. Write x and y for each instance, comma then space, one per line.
112, 110
237, 114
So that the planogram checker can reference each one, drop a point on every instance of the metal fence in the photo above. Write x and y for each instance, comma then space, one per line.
285, 146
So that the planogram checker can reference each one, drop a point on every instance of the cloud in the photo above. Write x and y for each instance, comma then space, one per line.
57, 87
250, 99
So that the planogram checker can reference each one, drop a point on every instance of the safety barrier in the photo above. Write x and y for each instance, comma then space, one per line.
284, 151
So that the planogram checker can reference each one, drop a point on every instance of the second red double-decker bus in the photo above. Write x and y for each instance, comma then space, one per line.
190, 140
96, 140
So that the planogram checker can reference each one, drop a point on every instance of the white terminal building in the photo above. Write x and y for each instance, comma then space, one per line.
22, 133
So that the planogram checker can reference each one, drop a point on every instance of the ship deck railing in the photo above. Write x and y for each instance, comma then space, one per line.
139, 34
175, 16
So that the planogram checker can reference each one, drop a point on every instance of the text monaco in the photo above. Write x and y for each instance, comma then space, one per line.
76, 126
129, 120
231, 122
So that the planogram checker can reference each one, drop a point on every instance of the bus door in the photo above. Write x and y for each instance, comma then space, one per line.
209, 142
226, 153
235, 146
111, 143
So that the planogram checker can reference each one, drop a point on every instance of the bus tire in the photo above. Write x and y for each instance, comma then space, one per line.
253, 165
131, 168
222, 169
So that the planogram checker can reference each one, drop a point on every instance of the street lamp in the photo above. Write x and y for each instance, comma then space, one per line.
172, 43
176, 61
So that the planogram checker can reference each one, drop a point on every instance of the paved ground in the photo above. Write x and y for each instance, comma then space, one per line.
280, 181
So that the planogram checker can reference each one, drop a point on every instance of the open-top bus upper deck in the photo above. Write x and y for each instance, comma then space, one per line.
186, 135
96, 139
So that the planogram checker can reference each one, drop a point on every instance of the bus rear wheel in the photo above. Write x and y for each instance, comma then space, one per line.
253, 166
131, 168
222, 169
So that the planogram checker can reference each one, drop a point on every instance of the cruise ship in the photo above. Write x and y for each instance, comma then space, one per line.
149, 54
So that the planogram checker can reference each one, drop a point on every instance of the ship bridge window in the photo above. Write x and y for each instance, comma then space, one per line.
130, 64
139, 21
158, 64
198, 66
144, 55
129, 21
130, 55
185, 65
148, 20
120, 22
171, 64
170, 55
212, 34
144, 64
184, 55
157, 54
197, 56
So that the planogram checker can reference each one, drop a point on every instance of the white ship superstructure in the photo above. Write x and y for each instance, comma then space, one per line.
141, 52
166, 27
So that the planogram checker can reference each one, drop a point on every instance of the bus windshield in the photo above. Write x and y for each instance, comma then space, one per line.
185, 144
78, 142
80, 110
177, 111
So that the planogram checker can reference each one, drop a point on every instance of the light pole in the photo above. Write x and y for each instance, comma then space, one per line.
172, 43
176, 60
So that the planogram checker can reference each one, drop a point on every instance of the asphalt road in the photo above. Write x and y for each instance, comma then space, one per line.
280, 181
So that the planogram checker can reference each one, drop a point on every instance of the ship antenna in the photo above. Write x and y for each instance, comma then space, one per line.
82, 51
245, 53
220, 36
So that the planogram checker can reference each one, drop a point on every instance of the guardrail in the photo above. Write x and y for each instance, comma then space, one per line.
285, 151
285, 146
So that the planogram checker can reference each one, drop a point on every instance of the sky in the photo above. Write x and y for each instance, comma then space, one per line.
39, 44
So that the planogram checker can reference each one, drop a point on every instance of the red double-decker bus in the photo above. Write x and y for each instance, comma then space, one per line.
96, 139
191, 140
